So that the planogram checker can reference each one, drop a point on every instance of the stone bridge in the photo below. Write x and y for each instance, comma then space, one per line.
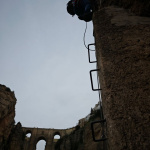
38, 134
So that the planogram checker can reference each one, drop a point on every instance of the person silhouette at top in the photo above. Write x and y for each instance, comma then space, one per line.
82, 8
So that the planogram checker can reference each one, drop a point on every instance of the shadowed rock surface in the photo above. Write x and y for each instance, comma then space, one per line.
81, 139
123, 55
138, 7
16, 138
7, 114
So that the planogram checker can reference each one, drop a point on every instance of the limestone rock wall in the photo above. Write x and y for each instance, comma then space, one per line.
16, 138
73, 141
138, 7
7, 114
81, 139
89, 144
123, 54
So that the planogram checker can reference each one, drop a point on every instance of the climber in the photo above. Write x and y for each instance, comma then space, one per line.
82, 8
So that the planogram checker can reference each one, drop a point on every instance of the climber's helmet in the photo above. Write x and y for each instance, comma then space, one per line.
70, 8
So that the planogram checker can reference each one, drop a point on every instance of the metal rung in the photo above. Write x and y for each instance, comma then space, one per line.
89, 53
93, 135
92, 80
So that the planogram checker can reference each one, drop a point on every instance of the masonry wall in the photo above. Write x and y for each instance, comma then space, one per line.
38, 134
123, 54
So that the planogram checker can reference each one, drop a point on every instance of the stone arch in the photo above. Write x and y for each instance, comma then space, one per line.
28, 134
39, 139
56, 133
43, 134
28, 131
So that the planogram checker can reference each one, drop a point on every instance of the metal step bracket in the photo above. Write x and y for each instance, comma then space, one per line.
89, 53
92, 80
103, 137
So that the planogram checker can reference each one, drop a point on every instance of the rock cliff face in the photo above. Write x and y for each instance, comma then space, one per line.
16, 138
81, 138
138, 7
123, 56
11, 136
7, 114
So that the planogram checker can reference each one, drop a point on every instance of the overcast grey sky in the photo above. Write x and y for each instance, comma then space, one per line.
43, 59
